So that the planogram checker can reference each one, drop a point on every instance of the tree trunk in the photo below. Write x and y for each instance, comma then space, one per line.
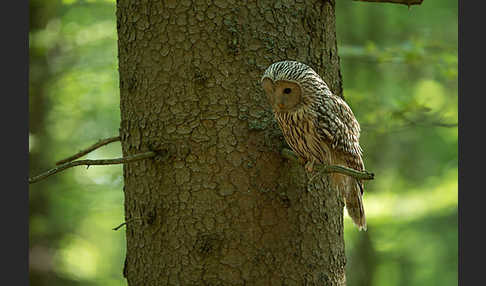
223, 208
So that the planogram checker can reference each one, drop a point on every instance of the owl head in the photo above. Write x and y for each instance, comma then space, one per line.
291, 85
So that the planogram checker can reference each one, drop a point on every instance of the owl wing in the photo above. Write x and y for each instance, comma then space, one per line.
336, 124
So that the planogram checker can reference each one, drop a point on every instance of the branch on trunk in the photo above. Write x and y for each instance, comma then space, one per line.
123, 160
89, 149
362, 175
404, 2
124, 223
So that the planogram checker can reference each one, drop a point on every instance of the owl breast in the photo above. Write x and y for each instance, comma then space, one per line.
300, 133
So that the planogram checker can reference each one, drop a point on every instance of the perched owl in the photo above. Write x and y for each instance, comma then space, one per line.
319, 126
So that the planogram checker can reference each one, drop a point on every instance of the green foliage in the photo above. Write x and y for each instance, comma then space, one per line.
399, 71
74, 67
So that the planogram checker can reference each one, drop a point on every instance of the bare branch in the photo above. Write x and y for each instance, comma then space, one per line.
364, 175
124, 223
435, 123
404, 2
118, 227
404, 127
89, 149
123, 160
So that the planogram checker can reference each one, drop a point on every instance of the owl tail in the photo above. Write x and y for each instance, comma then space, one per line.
353, 198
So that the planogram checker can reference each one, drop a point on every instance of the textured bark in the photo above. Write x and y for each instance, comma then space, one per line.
225, 208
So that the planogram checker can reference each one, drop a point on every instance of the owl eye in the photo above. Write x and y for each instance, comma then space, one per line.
287, 90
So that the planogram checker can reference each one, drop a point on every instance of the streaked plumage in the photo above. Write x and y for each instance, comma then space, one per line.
319, 126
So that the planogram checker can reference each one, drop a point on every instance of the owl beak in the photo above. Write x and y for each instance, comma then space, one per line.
280, 102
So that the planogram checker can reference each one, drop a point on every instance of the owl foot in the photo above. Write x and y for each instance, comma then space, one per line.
309, 166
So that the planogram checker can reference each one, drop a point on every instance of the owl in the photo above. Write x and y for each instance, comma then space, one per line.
319, 126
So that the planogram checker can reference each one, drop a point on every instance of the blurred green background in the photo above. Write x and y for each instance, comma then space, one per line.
399, 71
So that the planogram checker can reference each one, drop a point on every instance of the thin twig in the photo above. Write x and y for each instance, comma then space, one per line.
362, 175
123, 160
89, 149
404, 127
404, 2
124, 223
118, 227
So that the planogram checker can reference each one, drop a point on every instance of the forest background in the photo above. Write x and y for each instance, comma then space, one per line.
399, 70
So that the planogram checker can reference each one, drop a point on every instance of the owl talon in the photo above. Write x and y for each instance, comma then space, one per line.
309, 166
